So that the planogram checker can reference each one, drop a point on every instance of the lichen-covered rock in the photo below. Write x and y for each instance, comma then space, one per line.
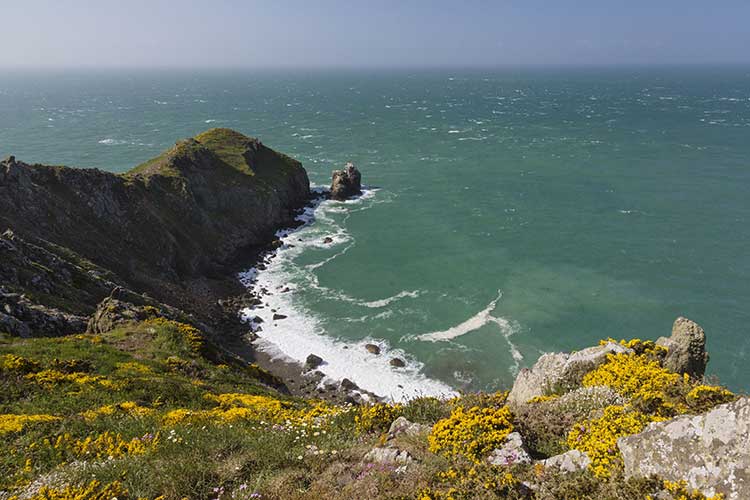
710, 451
686, 348
388, 455
513, 452
570, 461
346, 183
403, 427
112, 312
559, 371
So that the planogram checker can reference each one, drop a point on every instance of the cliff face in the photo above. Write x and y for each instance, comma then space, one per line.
172, 227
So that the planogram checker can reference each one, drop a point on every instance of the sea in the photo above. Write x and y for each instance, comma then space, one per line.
506, 213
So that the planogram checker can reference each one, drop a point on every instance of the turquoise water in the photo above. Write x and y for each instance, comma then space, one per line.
516, 212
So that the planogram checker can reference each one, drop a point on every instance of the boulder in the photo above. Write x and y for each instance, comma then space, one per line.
372, 348
686, 348
277, 316
346, 183
513, 452
403, 427
570, 461
397, 363
559, 371
313, 361
112, 312
709, 451
327, 240
348, 385
387, 455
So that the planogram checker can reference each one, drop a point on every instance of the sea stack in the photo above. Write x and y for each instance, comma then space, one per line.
346, 183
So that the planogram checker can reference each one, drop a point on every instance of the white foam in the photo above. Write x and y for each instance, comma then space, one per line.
302, 332
210, 121
112, 142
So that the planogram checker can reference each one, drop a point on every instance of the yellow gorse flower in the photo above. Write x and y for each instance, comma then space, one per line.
472, 432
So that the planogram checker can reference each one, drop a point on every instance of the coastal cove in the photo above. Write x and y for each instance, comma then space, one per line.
562, 206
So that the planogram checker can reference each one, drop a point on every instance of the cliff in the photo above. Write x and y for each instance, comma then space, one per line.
174, 227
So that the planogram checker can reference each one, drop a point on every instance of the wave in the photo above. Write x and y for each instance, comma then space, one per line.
112, 142
484, 317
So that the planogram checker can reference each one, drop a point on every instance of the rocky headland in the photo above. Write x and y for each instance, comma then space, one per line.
125, 371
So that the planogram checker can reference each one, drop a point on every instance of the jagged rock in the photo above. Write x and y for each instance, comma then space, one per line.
686, 348
402, 426
313, 361
346, 183
21, 317
709, 451
389, 456
570, 461
112, 312
372, 349
513, 452
397, 362
348, 385
555, 371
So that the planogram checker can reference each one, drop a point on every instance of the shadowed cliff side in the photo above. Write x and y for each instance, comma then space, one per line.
174, 227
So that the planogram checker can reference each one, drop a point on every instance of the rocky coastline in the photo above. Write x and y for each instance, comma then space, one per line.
139, 271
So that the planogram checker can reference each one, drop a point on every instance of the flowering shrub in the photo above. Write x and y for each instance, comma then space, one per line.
643, 380
472, 433
679, 491
129, 408
92, 491
192, 336
703, 397
377, 417
598, 437
16, 423
470, 483
17, 364
51, 378
106, 444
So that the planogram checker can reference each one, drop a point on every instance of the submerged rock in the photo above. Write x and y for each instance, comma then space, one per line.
710, 451
559, 371
686, 348
346, 183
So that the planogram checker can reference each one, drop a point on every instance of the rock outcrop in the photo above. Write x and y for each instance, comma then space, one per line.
570, 461
513, 452
559, 371
711, 451
346, 183
686, 348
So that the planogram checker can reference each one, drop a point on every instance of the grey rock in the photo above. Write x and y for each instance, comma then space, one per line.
313, 361
559, 371
686, 348
402, 426
389, 456
513, 452
346, 183
710, 451
570, 461
348, 385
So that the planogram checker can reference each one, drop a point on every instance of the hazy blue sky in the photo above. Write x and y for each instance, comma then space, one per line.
371, 33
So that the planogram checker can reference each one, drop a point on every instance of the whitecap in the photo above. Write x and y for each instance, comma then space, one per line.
112, 142
210, 121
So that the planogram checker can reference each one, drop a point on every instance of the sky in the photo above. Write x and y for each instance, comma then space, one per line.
371, 33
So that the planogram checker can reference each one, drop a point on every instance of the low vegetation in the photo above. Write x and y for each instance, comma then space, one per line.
151, 410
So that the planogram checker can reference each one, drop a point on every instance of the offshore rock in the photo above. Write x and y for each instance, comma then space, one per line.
372, 349
710, 451
559, 371
346, 183
686, 348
